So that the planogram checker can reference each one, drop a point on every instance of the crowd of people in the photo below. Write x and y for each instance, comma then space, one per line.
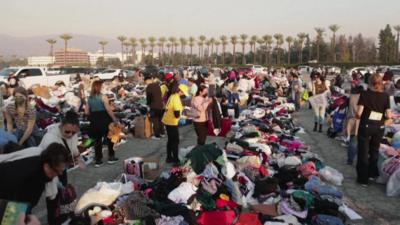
33, 159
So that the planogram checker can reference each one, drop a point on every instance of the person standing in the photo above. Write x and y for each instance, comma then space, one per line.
154, 101
373, 109
352, 124
172, 114
100, 116
200, 104
319, 88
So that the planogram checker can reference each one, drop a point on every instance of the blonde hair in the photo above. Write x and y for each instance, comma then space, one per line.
375, 82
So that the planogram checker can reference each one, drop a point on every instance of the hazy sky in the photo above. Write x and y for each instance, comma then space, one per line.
110, 18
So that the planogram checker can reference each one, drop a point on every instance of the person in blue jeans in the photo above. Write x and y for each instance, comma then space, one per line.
352, 124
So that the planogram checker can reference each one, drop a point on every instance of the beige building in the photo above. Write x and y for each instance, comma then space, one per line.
74, 57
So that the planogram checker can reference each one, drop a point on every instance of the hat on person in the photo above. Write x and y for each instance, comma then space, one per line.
184, 89
168, 76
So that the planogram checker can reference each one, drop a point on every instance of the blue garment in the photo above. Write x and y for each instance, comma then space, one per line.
6, 137
183, 81
352, 149
314, 184
322, 219
96, 104
33, 140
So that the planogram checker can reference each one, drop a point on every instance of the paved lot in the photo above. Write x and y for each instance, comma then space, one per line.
371, 202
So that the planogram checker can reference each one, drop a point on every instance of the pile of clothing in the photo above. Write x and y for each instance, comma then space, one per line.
264, 174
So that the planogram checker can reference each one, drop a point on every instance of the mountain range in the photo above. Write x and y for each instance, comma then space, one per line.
38, 46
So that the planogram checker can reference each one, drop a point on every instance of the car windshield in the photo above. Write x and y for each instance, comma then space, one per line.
6, 72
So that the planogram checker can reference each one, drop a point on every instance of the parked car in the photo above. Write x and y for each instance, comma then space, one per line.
109, 74
30, 76
362, 70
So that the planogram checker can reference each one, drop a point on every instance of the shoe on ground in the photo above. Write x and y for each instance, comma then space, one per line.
162, 135
98, 164
155, 138
112, 160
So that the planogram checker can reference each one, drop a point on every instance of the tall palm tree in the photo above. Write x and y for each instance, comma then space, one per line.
289, 40
192, 41
243, 42
202, 40
183, 43
168, 45
279, 42
172, 41
51, 43
208, 44
397, 29
126, 45
260, 42
212, 42
253, 42
66, 38
103, 44
302, 37
234, 40
143, 45
159, 45
152, 43
217, 44
268, 41
334, 28
224, 42
320, 33
162, 41
122, 39
133, 44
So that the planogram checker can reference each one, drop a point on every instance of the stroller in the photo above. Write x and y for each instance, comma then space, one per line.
338, 114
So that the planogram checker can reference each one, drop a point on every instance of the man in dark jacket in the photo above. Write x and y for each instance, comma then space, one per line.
155, 102
24, 174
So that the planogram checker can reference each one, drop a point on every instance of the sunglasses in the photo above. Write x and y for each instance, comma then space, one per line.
70, 132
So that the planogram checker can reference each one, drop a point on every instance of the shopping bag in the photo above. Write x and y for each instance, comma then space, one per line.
304, 95
143, 127
133, 166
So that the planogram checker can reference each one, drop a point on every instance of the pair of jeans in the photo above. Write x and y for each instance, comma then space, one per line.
98, 148
32, 140
173, 142
201, 129
369, 139
352, 149
319, 114
155, 117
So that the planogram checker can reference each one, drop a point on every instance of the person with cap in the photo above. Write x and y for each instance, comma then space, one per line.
167, 79
154, 101
172, 115
23, 116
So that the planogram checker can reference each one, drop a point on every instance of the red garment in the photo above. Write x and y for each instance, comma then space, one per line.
221, 203
263, 171
248, 218
216, 218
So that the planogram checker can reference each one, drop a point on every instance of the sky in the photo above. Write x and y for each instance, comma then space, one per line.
184, 18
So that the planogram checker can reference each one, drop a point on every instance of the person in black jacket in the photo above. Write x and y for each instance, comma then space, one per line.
24, 174
155, 102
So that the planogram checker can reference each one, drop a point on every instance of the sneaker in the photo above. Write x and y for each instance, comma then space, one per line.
364, 185
162, 135
155, 138
112, 160
98, 164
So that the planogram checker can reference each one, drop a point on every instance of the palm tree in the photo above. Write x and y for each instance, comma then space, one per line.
162, 41
217, 44
302, 38
320, 33
122, 40
224, 42
268, 41
397, 29
143, 44
172, 41
51, 43
234, 40
334, 28
253, 42
289, 40
260, 42
201, 42
243, 42
279, 42
126, 45
208, 44
152, 44
133, 44
159, 45
192, 41
183, 43
212, 42
103, 44
169, 48
66, 38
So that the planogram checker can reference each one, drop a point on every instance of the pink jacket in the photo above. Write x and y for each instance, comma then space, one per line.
200, 104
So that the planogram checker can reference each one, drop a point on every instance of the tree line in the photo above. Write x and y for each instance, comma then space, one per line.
266, 49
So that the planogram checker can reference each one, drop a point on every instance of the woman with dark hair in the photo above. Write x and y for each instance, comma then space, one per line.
172, 114
373, 109
23, 116
100, 116
200, 104
319, 88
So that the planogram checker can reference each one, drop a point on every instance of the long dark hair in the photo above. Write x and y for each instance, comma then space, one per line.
201, 89
70, 117
96, 88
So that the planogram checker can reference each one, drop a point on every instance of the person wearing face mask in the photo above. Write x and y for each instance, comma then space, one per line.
172, 114
200, 103
23, 116
24, 174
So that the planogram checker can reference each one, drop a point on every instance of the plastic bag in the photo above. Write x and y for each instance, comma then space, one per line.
331, 175
393, 185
